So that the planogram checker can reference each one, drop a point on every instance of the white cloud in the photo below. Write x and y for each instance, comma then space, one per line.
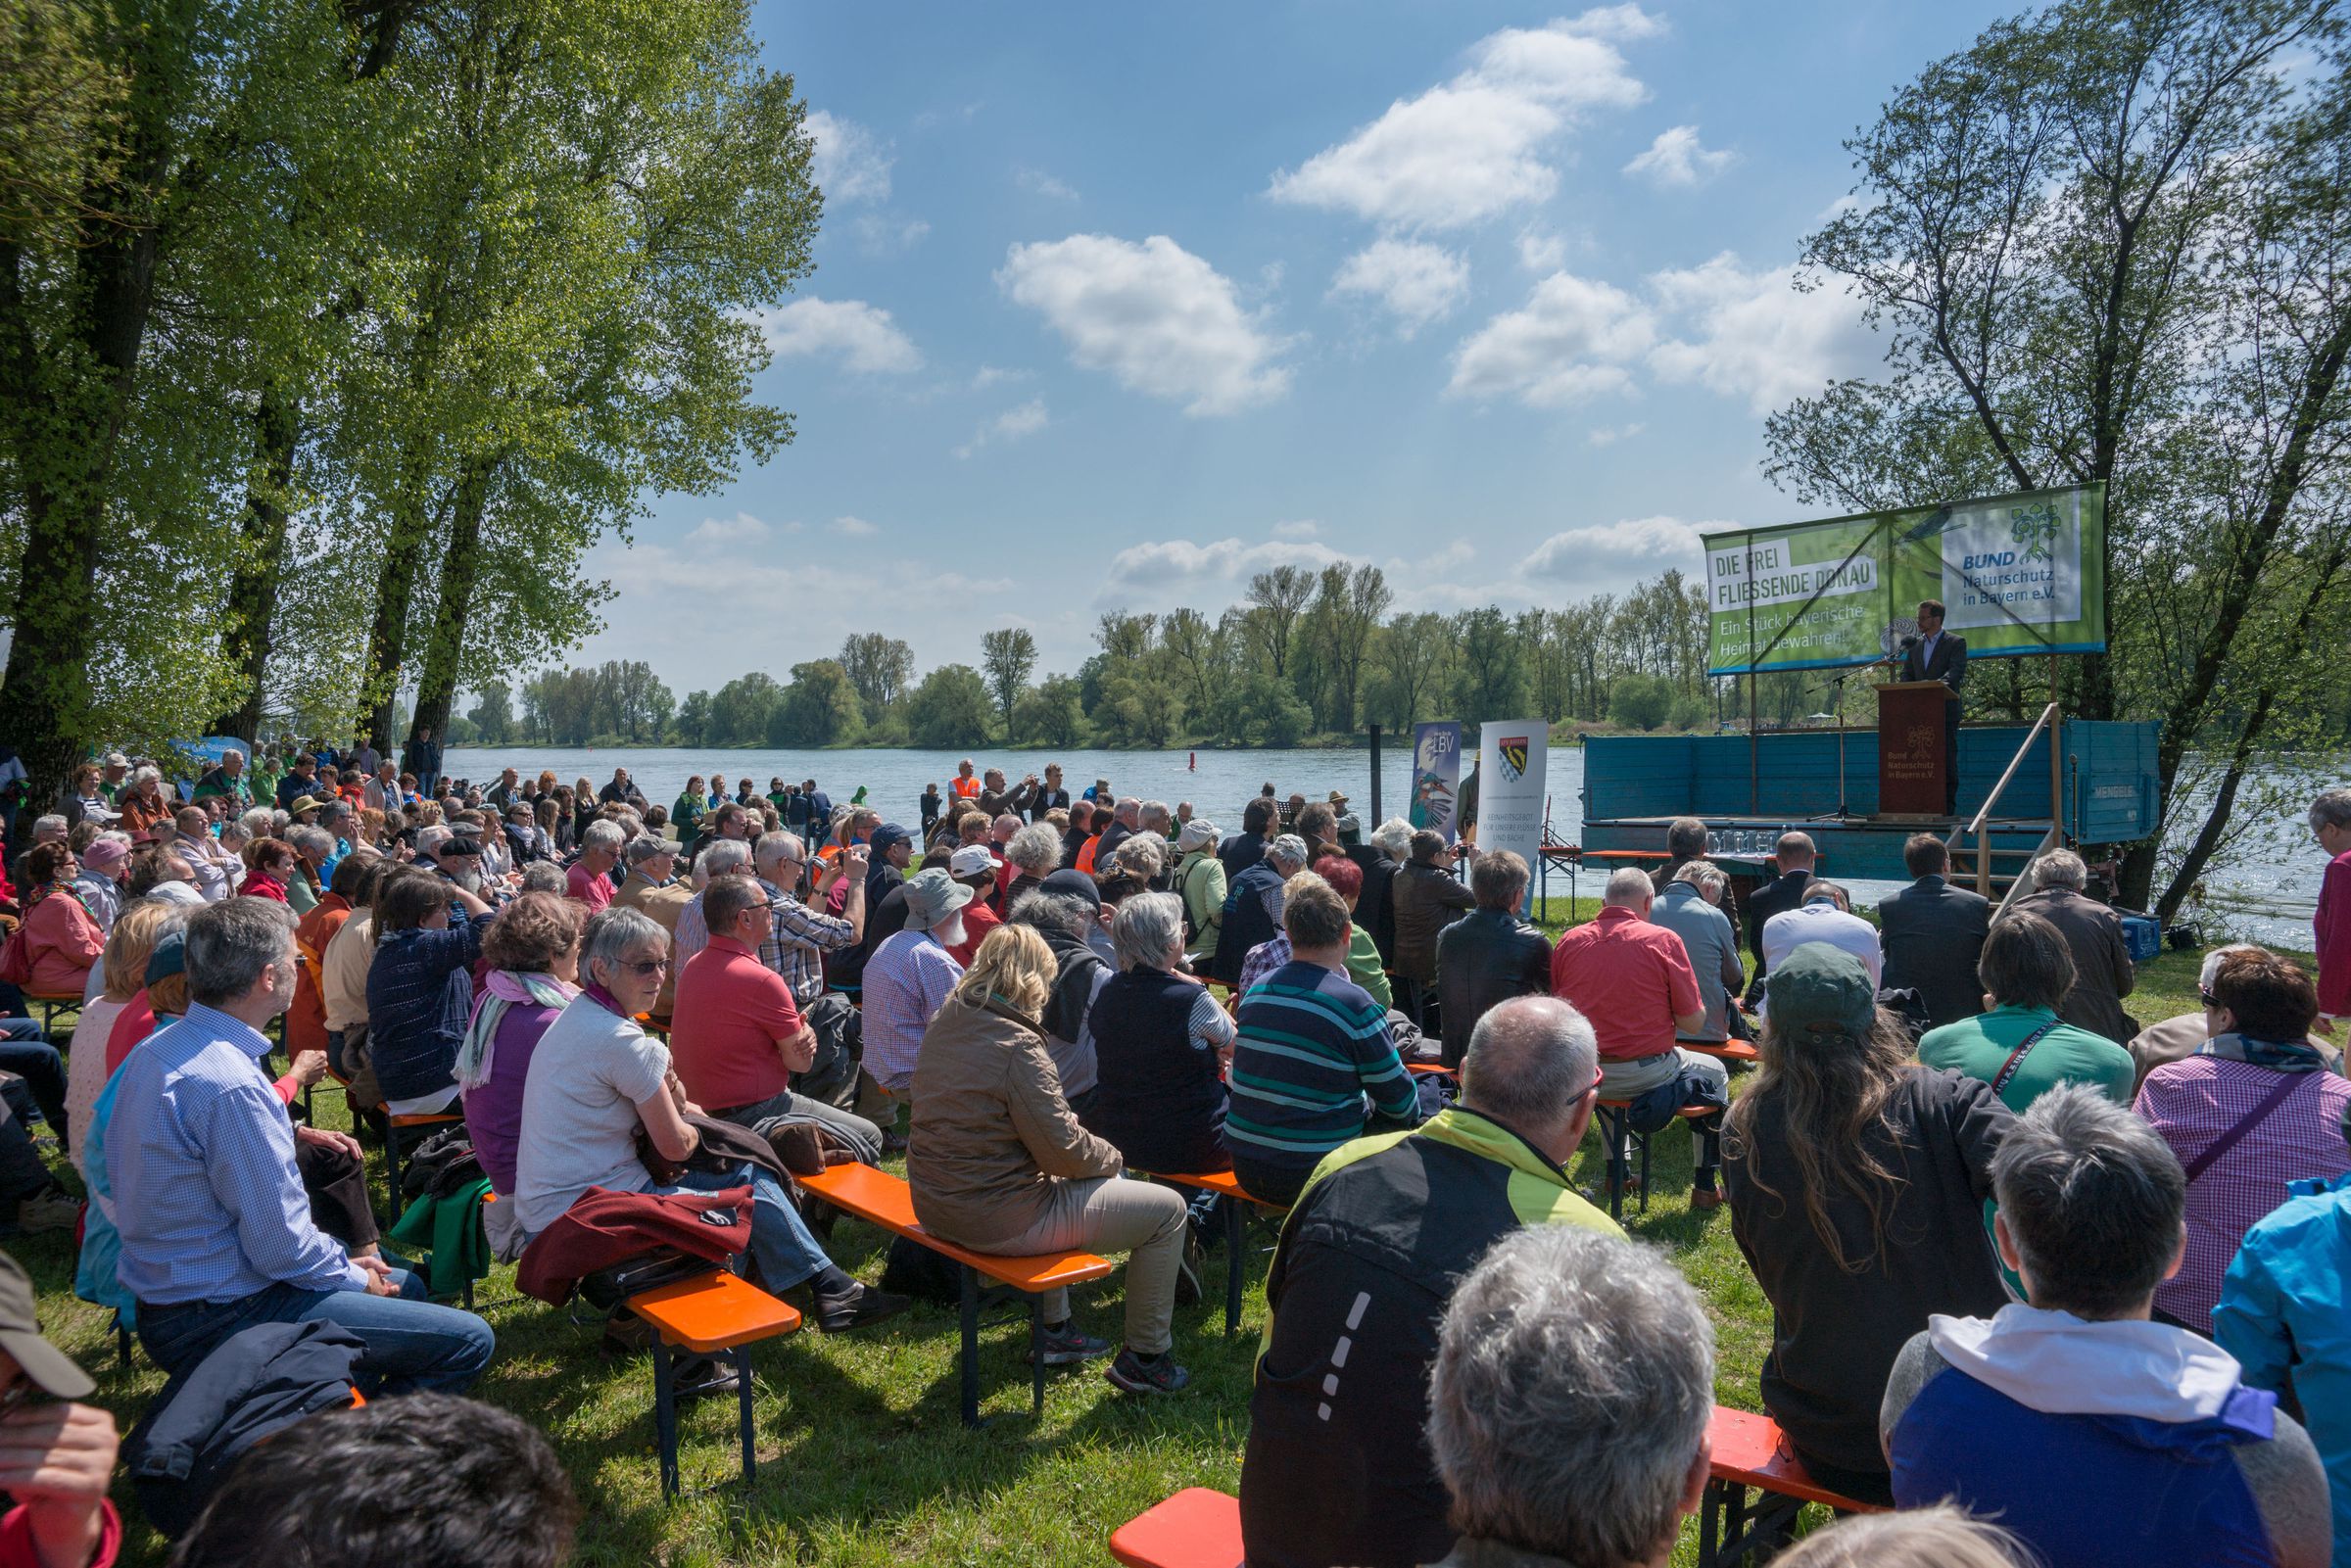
848, 164
1036, 182
1153, 315
862, 336
721, 532
1676, 157
1012, 424
1613, 551
1754, 335
1418, 282
1479, 144
1540, 252
1303, 528
1170, 567
1606, 436
854, 527
1572, 341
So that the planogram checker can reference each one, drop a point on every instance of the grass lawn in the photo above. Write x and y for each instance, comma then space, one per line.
862, 1460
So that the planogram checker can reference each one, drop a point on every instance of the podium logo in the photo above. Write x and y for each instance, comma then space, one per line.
1513, 760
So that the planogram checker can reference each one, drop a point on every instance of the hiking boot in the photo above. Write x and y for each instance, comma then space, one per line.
1187, 1269
838, 1314
1134, 1374
1066, 1345
49, 1211
701, 1377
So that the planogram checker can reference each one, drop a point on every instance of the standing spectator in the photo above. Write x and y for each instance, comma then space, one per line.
588, 882
2286, 1316
423, 759
909, 977
1200, 884
2102, 972
226, 780
1691, 907
1313, 1049
1933, 933
2102, 1440
2331, 824
1370, 1254
2253, 1112
1568, 1403
1857, 1182
1634, 982
1423, 895
217, 1232
1489, 955
998, 1162
1796, 857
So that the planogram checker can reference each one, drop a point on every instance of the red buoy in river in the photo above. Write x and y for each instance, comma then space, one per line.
1195, 765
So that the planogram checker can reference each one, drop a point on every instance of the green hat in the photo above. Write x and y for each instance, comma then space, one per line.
51, 1369
1819, 989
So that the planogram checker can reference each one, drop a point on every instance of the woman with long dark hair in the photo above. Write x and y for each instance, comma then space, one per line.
1856, 1182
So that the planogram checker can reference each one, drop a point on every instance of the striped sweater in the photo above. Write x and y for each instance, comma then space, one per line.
1313, 1046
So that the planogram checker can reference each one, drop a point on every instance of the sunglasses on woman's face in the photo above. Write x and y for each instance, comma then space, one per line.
645, 968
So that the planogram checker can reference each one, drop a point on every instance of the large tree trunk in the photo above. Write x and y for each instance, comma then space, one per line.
437, 690
253, 587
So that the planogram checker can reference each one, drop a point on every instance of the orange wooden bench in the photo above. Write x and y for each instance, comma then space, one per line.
1735, 1052
51, 1006
1751, 1453
881, 1199
1613, 1118
1236, 1230
1197, 1528
715, 1314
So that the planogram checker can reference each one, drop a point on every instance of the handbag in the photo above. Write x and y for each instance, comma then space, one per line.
16, 959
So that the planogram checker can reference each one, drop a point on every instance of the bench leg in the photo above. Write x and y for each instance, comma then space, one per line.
666, 1417
1644, 1142
1614, 1135
1236, 1240
971, 1344
743, 1388
1036, 1356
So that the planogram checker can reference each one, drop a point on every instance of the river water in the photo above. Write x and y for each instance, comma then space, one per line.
2266, 895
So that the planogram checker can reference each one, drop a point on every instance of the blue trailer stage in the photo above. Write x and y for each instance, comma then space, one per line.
1634, 785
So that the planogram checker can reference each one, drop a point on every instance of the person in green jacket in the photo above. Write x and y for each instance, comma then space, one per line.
688, 810
1199, 883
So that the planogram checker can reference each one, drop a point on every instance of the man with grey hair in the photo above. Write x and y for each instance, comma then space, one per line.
215, 1227
1568, 1403
2330, 826
1489, 955
1633, 979
798, 936
1153, 817
1125, 819
2102, 972
1795, 854
589, 883
1377, 858
727, 856
1252, 911
2094, 1434
1372, 1248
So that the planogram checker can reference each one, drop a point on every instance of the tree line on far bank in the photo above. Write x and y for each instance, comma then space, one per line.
1308, 654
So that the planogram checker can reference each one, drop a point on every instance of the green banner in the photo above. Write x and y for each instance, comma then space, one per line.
2016, 574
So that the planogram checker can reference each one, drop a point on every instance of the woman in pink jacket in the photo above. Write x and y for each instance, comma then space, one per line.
63, 935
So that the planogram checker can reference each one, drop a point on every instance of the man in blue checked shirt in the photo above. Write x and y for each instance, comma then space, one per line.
217, 1231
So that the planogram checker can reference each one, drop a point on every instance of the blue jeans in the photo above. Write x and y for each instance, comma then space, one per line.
413, 1345
25, 1054
786, 1254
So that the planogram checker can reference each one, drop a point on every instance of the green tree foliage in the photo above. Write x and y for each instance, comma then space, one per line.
493, 713
1050, 714
880, 668
950, 708
1640, 701
1008, 657
694, 719
2110, 240
819, 708
742, 710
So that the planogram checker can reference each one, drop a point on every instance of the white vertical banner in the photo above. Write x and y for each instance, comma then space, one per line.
1514, 759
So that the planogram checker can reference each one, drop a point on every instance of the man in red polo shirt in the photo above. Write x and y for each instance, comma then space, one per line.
737, 1036
1634, 981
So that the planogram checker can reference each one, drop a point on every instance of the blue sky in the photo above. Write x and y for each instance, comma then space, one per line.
1116, 305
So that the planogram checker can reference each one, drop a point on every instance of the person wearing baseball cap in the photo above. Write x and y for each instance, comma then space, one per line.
975, 869
56, 1456
1856, 1182
910, 974
116, 769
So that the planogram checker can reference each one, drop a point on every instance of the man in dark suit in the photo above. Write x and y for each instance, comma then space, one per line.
1796, 857
1932, 934
1939, 655
2102, 972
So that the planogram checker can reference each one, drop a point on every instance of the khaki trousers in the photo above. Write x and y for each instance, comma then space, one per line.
1111, 1214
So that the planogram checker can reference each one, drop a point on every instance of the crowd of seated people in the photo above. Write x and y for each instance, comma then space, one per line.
2036, 1255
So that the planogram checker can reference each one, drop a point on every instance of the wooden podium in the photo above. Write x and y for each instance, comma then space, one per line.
1913, 768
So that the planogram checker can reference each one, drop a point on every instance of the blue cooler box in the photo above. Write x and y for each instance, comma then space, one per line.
2143, 935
